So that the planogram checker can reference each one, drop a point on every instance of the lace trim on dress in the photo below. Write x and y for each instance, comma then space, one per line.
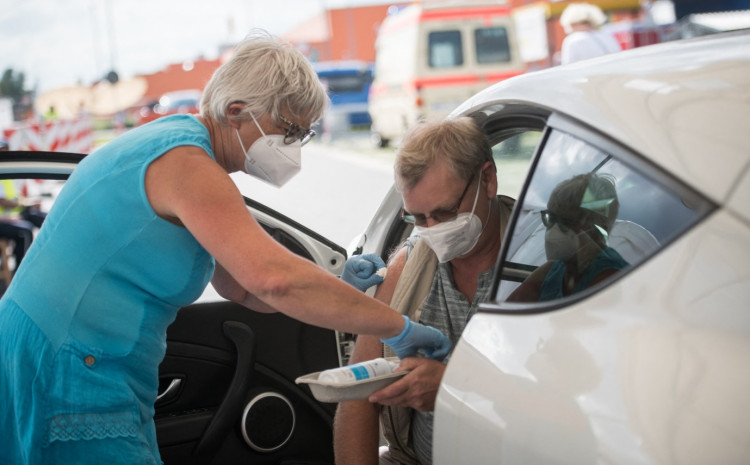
86, 426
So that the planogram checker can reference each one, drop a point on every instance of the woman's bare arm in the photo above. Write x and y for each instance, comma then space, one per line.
188, 187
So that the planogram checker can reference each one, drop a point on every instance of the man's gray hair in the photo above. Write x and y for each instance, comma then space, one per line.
267, 75
459, 141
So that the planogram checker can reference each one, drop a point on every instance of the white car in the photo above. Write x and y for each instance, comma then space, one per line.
651, 365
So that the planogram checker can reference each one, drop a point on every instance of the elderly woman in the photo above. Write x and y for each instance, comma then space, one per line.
138, 231
580, 213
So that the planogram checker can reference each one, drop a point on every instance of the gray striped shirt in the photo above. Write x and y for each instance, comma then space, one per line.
448, 310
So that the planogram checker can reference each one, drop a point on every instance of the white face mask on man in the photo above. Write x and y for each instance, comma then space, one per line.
451, 239
270, 159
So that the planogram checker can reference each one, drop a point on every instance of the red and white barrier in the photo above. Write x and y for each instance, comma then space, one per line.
74, 135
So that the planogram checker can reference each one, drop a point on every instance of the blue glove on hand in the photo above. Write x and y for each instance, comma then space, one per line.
360, 271
415, 337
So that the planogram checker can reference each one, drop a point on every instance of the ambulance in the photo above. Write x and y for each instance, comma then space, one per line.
431, 56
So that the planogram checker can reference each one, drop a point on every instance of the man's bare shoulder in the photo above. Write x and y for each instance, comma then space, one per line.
394, 268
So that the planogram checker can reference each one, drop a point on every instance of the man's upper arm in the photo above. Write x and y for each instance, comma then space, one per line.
370, 347
395, 267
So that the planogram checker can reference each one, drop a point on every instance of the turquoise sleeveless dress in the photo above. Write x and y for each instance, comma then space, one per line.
83, 324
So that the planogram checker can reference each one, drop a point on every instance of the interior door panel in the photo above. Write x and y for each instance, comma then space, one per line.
233, 398
204, 358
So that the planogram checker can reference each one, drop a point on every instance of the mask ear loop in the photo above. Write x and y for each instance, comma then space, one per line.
257, 125
476, 196
489, 209
237, 131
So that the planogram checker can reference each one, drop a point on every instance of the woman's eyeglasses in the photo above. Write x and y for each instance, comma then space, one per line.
296, 132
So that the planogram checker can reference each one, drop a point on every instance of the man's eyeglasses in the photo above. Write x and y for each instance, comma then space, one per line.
441, 216
296, 132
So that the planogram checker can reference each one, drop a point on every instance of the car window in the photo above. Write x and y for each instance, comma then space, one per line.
445, 49
512, 155
492, 45
585, 218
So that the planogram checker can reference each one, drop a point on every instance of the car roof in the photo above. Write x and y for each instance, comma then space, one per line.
684, 105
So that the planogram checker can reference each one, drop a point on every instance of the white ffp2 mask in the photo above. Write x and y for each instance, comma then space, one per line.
456, 237
270, 159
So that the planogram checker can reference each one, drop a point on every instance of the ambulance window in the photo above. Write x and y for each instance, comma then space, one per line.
492, 45
445, 49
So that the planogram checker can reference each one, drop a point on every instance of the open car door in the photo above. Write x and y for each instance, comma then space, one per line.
227, 390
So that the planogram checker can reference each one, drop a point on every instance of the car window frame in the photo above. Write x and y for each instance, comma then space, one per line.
628, 157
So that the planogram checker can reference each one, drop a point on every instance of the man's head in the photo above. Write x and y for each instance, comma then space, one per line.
459, 142
448, 181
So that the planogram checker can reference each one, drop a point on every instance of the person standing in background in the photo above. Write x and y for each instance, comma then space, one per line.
584, 40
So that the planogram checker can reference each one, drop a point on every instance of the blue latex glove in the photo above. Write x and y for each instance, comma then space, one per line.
359, 271
415, 337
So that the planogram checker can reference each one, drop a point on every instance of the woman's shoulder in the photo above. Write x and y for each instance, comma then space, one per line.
157, 138
183, 127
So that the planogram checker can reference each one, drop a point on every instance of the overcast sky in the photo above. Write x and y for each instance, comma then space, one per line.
59, 43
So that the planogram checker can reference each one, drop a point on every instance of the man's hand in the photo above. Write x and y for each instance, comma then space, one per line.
417, 389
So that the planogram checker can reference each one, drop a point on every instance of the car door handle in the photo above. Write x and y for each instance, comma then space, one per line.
171, 391
231, 406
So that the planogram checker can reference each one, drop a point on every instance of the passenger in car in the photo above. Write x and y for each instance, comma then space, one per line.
137, 232
448, 181
579, 215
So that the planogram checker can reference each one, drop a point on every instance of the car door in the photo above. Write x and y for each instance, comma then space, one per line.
227, 389
541, 376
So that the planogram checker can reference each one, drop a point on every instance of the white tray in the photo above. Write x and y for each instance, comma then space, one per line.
327, 391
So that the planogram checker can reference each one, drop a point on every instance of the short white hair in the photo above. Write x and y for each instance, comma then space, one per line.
267, 75
582, 13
